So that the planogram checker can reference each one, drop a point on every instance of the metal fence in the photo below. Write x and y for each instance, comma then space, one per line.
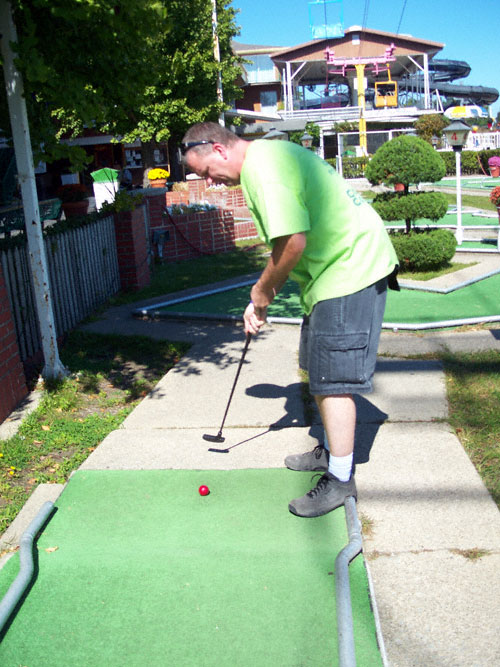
83, 271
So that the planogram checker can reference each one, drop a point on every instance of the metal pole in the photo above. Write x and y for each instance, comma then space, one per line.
458, 163
289, 84
360, 78
27, 566
345, 630
26, 174
217, 58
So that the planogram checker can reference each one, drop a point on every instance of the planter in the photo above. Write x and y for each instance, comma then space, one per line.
74, 209
158, 183
495, 172
399, 187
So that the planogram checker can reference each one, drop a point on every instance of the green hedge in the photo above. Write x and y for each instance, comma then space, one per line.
472, 161
423, 250
354, 167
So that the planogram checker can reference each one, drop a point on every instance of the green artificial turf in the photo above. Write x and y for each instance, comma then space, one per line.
450, 219
481, 299
480, 182
136, 568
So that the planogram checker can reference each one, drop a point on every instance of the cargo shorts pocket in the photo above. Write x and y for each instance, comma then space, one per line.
340, 358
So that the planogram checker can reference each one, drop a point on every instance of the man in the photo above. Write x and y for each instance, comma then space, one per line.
324, 236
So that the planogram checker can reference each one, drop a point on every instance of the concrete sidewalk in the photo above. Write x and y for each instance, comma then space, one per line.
425, 508
423, 505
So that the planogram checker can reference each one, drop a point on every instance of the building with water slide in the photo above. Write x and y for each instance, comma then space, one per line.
377, 80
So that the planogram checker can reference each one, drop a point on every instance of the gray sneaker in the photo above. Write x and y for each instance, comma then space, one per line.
328, 494
317, 460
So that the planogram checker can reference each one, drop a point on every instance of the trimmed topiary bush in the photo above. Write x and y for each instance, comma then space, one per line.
423, 250
393, 206
405, 159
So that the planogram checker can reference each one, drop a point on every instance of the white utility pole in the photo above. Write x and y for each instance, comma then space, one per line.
217, 58
26, 173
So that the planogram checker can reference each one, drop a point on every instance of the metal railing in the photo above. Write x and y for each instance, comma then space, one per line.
331, 114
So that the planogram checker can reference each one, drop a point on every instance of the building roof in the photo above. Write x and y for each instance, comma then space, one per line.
367, 36
250, 49
356, 43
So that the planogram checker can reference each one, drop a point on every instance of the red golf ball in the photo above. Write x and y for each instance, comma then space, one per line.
203, 490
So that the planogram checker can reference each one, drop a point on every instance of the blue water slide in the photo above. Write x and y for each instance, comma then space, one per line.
442, 74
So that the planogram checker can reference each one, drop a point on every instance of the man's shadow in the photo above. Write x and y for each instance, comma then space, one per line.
369, 419
297, 414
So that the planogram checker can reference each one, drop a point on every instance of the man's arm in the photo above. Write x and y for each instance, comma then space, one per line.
287, 250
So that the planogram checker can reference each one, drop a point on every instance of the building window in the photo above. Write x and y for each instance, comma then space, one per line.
260, 69
268, 100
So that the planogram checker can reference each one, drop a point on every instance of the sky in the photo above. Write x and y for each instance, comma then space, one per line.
470, 31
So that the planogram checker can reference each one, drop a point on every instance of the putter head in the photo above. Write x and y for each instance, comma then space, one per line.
218, 451
213, 438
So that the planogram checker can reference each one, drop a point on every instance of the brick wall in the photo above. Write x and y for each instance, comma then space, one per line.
12, 380
218, 196
132, 244
195, 234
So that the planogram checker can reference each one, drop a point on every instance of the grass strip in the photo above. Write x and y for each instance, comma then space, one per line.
473, 387
430, 275
169, 277
109, 375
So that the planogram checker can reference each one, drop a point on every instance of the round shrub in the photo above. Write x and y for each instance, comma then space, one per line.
405, 159
422, 250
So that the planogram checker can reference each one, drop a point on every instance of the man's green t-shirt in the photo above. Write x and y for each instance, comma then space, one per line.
289, 189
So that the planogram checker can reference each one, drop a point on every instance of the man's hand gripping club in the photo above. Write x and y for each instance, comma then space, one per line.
287, 250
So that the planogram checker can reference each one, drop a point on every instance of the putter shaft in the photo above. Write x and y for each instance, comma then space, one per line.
218, 437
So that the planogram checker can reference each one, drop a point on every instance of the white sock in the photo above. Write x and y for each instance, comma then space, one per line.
340, 466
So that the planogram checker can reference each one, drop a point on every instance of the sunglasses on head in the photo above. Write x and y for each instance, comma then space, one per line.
183, 148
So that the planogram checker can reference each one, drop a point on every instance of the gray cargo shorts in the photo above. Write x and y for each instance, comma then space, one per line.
339, 341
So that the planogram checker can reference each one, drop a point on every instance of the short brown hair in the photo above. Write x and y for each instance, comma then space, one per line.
209, 132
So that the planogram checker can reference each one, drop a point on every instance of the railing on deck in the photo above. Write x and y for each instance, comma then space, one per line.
328, 114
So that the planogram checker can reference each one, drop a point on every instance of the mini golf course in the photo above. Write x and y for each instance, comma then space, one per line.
478, 300
413, 307
136, 568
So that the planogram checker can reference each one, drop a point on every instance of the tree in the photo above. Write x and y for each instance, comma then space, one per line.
85, 64
139, 69
186, 90
431, 125
408, 160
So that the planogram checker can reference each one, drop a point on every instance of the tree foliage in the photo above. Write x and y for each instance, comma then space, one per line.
186, 90
409, 160
405, 159
393, 206
139, 69
424, 251
431, 125
85, 64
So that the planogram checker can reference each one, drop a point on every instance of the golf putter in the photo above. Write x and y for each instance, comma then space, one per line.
218, 437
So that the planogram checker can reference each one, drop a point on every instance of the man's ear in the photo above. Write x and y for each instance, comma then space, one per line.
220, 149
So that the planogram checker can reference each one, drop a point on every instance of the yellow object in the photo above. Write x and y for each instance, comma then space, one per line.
157, 174
386, 92
360, 73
